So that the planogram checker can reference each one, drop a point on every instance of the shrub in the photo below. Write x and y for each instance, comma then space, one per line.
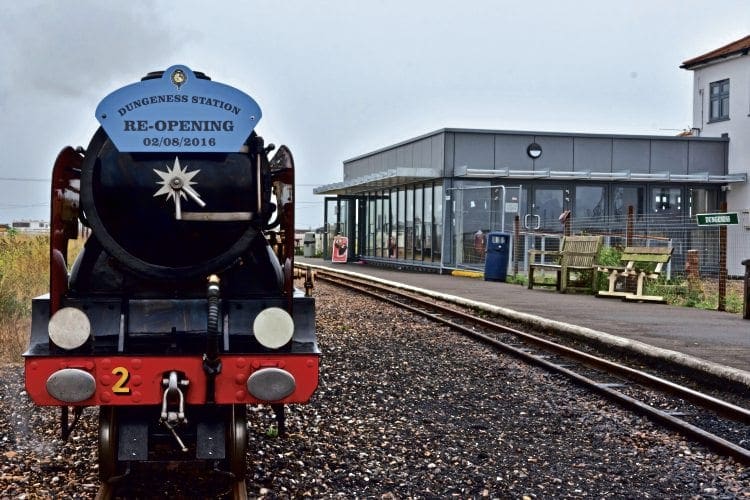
608, 256
24, 274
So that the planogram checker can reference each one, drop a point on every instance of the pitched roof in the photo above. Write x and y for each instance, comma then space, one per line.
740, 46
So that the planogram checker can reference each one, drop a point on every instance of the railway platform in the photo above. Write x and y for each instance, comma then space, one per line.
715, 342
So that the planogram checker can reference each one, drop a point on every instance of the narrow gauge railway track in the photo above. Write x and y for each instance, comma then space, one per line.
237, 491
577, 365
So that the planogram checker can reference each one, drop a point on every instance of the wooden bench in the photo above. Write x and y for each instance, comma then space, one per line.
577, 256
639, 261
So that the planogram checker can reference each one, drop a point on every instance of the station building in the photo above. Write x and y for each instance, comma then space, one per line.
429, 201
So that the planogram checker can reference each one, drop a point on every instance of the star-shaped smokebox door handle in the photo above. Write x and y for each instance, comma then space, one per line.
176, 183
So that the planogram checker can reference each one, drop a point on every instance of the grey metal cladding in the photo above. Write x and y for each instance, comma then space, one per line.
510, 152
389, 159
669, 156
404, 156
631, 155
348, 167
450, 154
706, 157
378, 163
475, 150
557, 153
422, 154
592, 154
438, 154
353, 169
417, 154
426, 153
446, 150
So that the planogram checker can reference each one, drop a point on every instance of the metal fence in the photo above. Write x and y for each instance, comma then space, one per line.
681, 233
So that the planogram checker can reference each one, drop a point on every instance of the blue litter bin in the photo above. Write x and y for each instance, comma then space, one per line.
498, 252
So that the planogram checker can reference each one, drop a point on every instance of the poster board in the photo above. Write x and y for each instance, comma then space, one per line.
340, 249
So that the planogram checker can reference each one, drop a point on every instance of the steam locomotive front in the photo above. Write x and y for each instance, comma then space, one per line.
181, 301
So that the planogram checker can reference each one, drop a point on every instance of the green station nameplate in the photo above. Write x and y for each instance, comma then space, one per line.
718, 219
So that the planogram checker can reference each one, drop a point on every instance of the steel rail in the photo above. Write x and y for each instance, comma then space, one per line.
650, 381
105, 492
238, 491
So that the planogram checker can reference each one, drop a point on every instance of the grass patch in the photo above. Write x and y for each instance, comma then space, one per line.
24, 274
676, 292
517, 279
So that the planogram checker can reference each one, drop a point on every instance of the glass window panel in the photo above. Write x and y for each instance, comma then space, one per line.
401, 223
548, 205
702, 201
624, 197
393, 226
372, 217
379, 227
343, 206
719, 100
714, 109
330, 225
590, 207
383, 213
666, 200
476, 221
378, 216
427, 239
418, 222
378, 224
437, 224
409, 240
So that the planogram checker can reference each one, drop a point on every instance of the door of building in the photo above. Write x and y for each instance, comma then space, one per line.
340, 218
541, 208
544, 207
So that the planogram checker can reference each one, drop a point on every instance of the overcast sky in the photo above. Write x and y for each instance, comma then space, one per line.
337, 78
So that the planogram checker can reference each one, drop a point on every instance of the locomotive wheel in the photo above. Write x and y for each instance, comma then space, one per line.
237, 441
108, 436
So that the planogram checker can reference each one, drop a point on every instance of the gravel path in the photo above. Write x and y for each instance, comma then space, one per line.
404, 410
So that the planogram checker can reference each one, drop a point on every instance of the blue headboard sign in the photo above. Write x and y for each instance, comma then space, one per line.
178, 112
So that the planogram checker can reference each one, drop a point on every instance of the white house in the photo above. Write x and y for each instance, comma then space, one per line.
721, 105
30, 226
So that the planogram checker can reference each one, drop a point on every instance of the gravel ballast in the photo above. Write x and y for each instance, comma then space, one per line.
405, 409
